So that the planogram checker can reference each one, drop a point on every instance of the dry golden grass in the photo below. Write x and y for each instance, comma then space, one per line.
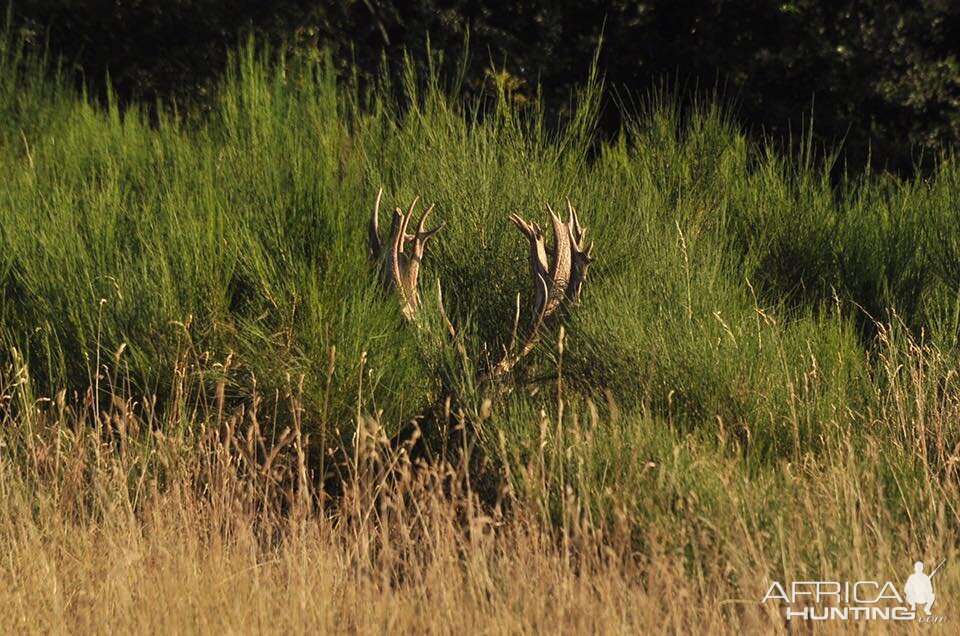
108, 525
208, 552
88, 551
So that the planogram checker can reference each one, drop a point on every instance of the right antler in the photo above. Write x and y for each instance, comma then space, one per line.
561, 279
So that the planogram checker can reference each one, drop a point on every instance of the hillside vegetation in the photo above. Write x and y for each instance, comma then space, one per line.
200, 375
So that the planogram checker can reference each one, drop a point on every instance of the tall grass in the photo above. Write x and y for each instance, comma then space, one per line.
760, 383
131, 518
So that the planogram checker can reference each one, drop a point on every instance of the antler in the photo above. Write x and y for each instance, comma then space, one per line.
556, 280
400, 270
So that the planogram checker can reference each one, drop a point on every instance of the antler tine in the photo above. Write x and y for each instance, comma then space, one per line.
544, 310
577, 231
404, 237
580, 253
413, 205
373, 229
421, 226
581, 262
522, 225
429, 234
423, 235
419, 247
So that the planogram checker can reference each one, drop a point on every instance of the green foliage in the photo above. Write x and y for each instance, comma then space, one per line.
740, 303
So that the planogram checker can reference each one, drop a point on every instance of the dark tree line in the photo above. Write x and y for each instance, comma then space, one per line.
882, 75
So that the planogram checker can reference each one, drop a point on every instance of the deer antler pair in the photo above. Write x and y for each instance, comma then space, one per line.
401, 271
558, 273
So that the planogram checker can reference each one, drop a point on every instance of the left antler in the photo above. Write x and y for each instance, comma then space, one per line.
401, 270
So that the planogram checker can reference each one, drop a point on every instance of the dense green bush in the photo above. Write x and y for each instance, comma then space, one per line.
732, 285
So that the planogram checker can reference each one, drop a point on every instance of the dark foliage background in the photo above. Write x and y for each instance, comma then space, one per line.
882, 76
